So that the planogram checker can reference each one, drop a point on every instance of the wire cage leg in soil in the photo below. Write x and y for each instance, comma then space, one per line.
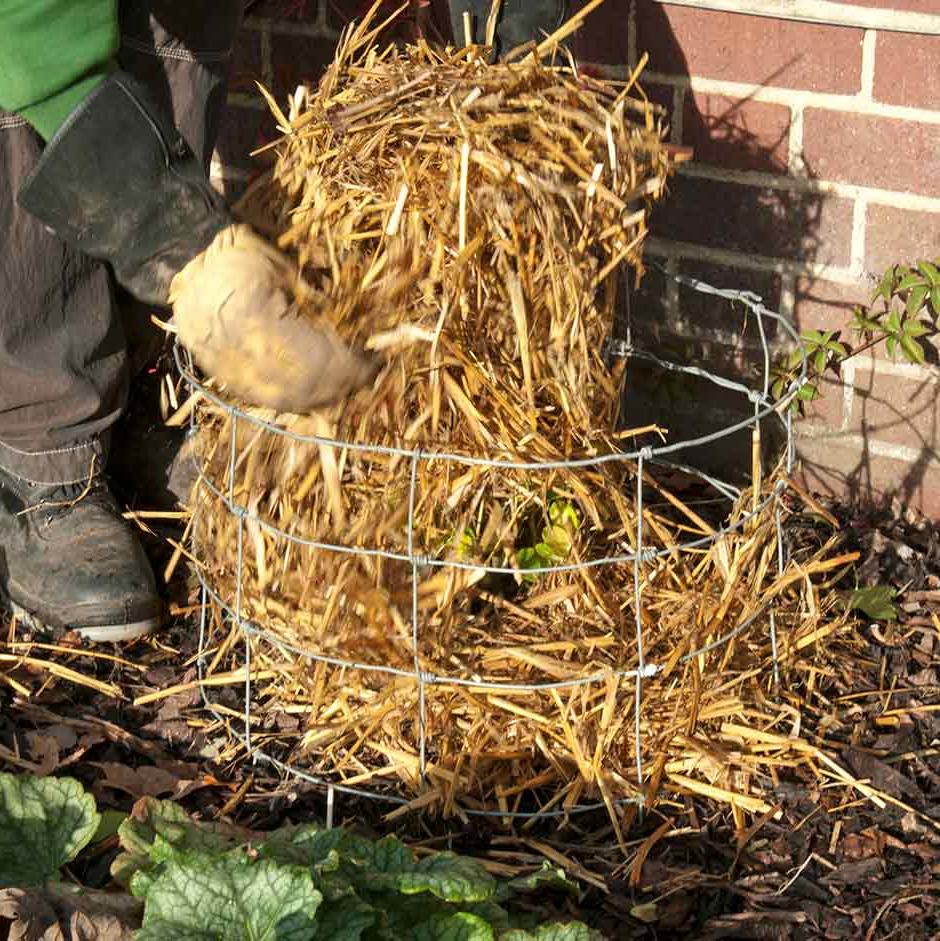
764, 504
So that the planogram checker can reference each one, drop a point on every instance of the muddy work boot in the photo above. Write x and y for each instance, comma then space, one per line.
69, 561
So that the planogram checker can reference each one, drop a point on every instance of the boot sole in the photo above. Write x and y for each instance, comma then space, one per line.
97, 634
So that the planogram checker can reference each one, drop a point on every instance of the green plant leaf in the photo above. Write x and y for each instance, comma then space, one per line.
807, 392
548, 877
935, 299
912, 350
345, 919
449, 877
44, 823
929, 271
574, 931
891, 345
886, 286
875, 602
911, 280
229, 898
529, 559
916, 299
110, 824
156, 831
893, 322
304, 845
446, 876
916, 328
564, 513
461, 926
556, 539
494, 915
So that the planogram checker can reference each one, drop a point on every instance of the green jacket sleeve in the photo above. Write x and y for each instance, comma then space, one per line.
52, 54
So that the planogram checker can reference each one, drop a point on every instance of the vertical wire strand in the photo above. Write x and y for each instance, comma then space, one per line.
232, 452
415, 638
239, 621
638, 606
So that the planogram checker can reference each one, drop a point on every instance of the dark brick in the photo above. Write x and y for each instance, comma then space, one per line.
244, 130
906, 70
302, 11
899, 235
297, 60
759, 50
700, 310
246, 64
756, 220
603, 37
872, 151
742, 135
340, 13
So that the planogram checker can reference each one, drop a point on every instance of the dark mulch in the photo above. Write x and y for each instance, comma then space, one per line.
834, 865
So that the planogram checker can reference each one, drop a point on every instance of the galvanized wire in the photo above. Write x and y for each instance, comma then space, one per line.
763, 409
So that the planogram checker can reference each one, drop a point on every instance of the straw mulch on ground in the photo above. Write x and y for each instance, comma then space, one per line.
469, 222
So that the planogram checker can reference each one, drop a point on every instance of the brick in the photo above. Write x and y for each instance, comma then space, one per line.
756, 220
824, 305
872, 151
834, 465
899, 235
897, 410
753, 49
242, 131
603, 37
827, 412
340, 13
906, 70
743, 135
294, 10
912, 6
247, 66
718, 315
298, 59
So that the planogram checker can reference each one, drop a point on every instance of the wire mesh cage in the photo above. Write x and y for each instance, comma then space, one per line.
618, 677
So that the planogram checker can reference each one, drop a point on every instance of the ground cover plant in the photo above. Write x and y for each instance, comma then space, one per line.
215, 882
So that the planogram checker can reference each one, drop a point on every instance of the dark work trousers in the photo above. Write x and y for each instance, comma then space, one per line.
63, 353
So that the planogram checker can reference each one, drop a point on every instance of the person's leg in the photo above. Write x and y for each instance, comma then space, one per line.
520, 21
66, 556
62, 353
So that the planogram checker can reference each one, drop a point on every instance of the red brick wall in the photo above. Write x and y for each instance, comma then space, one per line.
817, 164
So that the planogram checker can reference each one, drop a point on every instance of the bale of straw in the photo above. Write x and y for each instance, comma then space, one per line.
469, 221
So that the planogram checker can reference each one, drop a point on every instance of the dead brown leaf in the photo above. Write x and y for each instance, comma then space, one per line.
48, 915
144, 781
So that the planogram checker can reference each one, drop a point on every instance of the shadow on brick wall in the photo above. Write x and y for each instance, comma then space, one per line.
714, 206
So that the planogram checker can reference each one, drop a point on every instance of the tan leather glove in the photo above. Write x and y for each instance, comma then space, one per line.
234, 310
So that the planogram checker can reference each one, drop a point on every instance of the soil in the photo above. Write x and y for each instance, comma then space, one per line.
832, 865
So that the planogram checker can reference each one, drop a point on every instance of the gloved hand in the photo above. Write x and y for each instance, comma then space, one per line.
234, 310
145, 206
